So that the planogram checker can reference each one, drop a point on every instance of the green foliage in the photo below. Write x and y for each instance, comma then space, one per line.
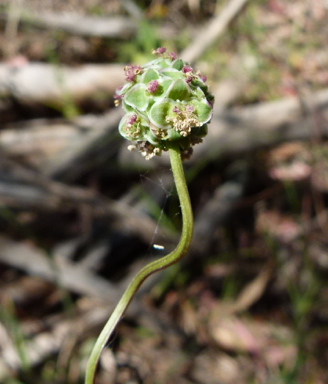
67, 106
139, 48
11, 322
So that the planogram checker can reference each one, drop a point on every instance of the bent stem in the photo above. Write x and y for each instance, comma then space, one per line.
157, 265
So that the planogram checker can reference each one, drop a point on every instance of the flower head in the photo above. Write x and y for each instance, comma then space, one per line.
164, 101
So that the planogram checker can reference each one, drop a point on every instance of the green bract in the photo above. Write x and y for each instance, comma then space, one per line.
164, 101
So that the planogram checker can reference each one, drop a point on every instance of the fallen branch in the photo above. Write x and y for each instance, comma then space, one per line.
267, 124
59, 270
105, 27
55, 85
39, 139
97, 142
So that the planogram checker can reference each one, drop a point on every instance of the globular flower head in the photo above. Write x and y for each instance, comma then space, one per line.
165, 100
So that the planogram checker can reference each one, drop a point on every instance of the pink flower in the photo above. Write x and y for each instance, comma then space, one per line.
161, 50
186, 69
131, 71
202, 77
152, 86
131, 120
172, 56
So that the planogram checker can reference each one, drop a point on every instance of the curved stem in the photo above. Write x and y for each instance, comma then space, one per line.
157, 265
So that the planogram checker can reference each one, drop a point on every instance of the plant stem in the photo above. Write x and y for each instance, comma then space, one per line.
155, 266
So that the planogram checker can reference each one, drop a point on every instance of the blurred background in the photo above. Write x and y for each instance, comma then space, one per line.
80, 215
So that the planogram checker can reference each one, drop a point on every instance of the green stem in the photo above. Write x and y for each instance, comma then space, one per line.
157, 265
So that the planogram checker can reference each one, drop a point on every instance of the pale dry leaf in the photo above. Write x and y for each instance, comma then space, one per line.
232, 334
212, 368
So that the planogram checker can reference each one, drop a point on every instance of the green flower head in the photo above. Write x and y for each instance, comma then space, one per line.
165, 100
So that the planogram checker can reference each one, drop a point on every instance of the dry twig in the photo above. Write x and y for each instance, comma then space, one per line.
215, 28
